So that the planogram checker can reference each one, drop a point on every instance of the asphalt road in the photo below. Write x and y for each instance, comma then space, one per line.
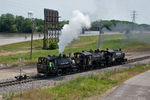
6, 41
136, 88
10, 38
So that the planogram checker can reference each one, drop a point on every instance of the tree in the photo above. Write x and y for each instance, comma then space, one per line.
14, 28
27, 26
0, 24
62, 23
7, 20
40, 28
19, 23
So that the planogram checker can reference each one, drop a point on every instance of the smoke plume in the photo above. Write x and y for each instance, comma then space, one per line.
135, 36
134, 33
72, 30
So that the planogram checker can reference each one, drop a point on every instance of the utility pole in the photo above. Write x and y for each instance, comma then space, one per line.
30, 15
99, 38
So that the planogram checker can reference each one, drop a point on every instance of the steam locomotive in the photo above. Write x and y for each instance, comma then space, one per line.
81, 61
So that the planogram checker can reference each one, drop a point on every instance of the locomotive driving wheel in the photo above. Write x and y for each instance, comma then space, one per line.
59, 72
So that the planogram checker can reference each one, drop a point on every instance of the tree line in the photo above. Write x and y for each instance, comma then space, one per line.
18, 24
117, 25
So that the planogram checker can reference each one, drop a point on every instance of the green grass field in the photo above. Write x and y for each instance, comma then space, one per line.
9, 54
81, 88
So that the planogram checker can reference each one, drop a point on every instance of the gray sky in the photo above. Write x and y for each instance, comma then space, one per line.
97, 9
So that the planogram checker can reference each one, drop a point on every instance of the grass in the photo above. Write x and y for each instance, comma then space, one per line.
82, 88
37, 44
85, 43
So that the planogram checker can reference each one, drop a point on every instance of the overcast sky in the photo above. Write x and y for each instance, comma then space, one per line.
96, 9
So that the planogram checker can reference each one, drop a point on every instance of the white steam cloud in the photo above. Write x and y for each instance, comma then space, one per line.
72, 30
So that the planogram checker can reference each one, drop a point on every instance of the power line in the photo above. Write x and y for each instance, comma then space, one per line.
134, 16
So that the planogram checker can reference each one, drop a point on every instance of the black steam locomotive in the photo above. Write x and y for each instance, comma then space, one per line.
81, 61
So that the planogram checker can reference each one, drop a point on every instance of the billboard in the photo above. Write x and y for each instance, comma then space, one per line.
51, 16
51, 26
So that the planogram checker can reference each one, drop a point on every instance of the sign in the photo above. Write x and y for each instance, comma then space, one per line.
51, 16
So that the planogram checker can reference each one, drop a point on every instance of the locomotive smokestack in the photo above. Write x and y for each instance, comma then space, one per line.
69, 54
64, 55
60, 55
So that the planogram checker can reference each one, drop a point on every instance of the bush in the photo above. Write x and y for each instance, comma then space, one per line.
8, 96
45, 43
53, 46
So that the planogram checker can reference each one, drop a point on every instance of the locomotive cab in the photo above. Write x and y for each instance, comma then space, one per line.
54, 65
46, 65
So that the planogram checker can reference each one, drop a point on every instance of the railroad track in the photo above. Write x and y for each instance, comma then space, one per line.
15, 82
31, 79
137, 59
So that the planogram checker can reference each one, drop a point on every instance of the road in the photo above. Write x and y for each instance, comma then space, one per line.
10, 40
136, 88
15, 38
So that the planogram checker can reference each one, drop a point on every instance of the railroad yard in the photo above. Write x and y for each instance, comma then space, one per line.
8, 83
138, 55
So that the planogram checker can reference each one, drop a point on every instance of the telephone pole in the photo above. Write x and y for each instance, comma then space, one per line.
30, 15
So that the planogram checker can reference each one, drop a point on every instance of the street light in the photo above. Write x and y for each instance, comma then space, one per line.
30, 16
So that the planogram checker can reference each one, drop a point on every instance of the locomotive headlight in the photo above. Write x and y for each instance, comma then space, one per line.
73, 61
113, 59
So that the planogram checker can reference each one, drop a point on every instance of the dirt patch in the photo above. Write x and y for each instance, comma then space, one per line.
133, 55
138, 49
13, 52
115, 76
82, 44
